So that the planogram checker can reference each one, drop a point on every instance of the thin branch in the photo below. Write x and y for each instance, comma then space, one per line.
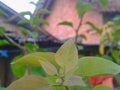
77, 30
13, 42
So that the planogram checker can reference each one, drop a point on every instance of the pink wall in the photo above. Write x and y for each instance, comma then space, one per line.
64, 10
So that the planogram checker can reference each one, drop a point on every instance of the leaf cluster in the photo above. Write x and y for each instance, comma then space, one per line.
64, 69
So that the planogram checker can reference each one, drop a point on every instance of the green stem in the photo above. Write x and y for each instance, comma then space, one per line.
78, 28
13, 42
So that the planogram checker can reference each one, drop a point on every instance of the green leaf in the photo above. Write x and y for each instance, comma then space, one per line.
38, 21
102, 87
83, 36
103, 3
30, 47
74, 81
67, 56
92, 66
42, 21
53, 80
24, 31
24, 22
115, 54
33, 58
4, 42
116, 21
107, 57
29, 83
82, 8
37, 71
34, 34
2, 31
18, 69
117, 34
94, 28
49, 68
44, 11
66, 23
58, 88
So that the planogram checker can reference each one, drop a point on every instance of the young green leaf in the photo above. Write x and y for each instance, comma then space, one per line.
28, 83
82, 36
92, 66
24, 31
38, 21
44, 11
67, 56
82, 8
52, 80
33, 58
103, 3
24, 22
66, 23
30, 47
94, 28
49, 68
102, 87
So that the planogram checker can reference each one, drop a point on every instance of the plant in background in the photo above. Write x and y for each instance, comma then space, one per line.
106, 35
64, 70
109, 37
31, 32
81, 12
82, 8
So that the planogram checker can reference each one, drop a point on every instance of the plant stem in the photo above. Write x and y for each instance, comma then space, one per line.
13, 42
78, 28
